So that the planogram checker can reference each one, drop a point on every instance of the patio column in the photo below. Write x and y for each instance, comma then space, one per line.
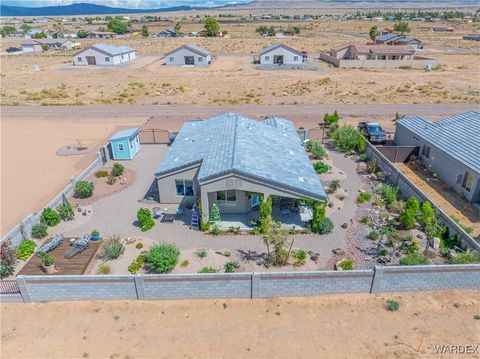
205, 205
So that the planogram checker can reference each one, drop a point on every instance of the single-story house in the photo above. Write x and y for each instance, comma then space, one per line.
229, 159
31, 33
125, 144
66, 35
103, 54
188, 55
280, 54
384, 31
101, 35
35, 45
449, 147
31, 46
398, 39
167, 33
443, 29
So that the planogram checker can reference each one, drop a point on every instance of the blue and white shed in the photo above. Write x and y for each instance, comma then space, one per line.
125, 144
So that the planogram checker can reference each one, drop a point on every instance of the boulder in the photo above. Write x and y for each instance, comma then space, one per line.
338, 251
345, 225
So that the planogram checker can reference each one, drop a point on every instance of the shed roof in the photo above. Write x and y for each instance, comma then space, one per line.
457, 136
125, 134
269, 151
194, 48
275, 46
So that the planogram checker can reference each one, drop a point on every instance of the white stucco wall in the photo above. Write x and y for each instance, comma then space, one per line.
100, 58
288, 57
179, 58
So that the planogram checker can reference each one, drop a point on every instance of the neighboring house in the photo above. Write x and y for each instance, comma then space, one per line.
443, 29
66, 35
472, 37
449, 147
125, 144
188, 55
398, 39
166, 33
384, 31
35, 45
227, 158
31, 46
101, 35
30, 34
103, 54
376, 56
280, 54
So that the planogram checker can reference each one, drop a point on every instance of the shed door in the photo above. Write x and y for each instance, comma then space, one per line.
91, 60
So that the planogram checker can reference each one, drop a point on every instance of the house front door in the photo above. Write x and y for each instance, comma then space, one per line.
189, 60
91, 60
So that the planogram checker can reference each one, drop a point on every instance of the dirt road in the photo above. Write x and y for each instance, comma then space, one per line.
330, 326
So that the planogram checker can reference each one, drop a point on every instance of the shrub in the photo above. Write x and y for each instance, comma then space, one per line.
331, 119
46, 259
101, 173
363, 157
66, 211
334, 185
215, 229
372, 166
83, 189
117, 169
228, 267
320, 167
162, 257
413, 259
373, 235
407, 218
392, 305
184, 263
50, 217
388, 193
139, 245
378, 202
104, 268
346, 138
39, 230
113, 248
364, 197
234, 230
145, 220
366, 220
265, 214
201, 253
467, 257
137, 264
326, 226
26, 249
346, 264
300, 258
111, 180
207, 270
8, 256
316, 149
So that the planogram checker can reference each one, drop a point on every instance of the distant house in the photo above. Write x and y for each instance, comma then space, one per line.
101, 35
31, 46
229, 160
102, 54
188, 55
30, 34
280, 54
397, 39
472, 37
443, 29
166, 33
384, 31
35, 45
125, 144
376, 56
449, 147
66, 35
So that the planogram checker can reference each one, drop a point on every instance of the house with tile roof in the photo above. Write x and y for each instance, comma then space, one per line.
225, 159
449, 147
103, 55
190, 55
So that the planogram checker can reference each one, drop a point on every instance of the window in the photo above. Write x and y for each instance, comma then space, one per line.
228, 196
467, 181
120, 146
137, 139
200, 59
79, 59
107, 59
267, 58
172, 59
131, 144
295, 58
184, 187
426, 151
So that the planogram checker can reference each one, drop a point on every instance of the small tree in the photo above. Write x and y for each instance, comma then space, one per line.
40, 35
276, 241
8, 256
402, 27
162, 257
44, 47
212, 27
7, 30
177, 28
82, 34
145, 31
145, 220
265, 214
117, 26
373, 33
331, 119
26, 27
410, 213
428, 218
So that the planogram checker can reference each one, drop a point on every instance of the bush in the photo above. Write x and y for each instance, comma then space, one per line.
39, 230
66, 211
162, 257
334, 185
320, 167
83, 189
104, 268
139, 245
373, 235
207, 270
201, 253
393, 305
228, 267
47, 259
467, 257
145, 220
101, 173
234, 229
388, 193
407, 218
413, 259
50, 217
364, 197
326, 226
137, 264
111, 180
346, 138
184, 263
215, 229
316, 149
300, 258
26, 249
117, 169
346, 264
372, 166
113, 248
8, 256
363, 157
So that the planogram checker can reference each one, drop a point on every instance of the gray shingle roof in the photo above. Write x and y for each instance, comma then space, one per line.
192, 47
457, 136
113, 50
274, 46
269, 151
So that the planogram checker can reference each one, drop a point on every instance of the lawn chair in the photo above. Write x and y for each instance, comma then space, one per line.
78, 246
54, 243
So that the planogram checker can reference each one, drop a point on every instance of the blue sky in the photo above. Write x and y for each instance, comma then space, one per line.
141, 4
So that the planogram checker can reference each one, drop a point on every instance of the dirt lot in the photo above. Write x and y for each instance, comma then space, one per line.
233, 79
330, 326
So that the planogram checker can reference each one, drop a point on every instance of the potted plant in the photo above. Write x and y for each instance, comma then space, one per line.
48, 263
95, 235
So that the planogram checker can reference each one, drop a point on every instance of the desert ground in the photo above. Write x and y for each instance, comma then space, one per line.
234, 79
331, 326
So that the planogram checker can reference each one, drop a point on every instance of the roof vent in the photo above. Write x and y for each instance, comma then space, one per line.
301, 179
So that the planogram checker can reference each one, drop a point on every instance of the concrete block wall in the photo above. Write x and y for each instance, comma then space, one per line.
426, 278
311, 283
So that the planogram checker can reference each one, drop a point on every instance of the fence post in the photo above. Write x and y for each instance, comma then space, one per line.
22, 285
377, 279
139, 287
255, 288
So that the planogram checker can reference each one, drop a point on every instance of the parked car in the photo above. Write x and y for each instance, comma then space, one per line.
373, 132
13, 49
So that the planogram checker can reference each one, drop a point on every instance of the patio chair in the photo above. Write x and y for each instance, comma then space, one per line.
78, 246
54, 243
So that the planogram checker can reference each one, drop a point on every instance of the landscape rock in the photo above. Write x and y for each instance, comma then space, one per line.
436, 243
345, 225
338, 251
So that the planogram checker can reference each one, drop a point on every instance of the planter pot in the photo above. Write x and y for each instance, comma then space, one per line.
95, 237
49, 269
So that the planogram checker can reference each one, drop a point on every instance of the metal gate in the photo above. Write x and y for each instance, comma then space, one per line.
154, 136
9, 287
